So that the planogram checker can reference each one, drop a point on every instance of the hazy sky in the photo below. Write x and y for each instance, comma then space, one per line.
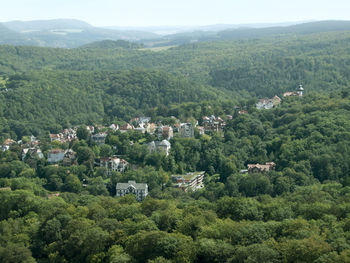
175, 12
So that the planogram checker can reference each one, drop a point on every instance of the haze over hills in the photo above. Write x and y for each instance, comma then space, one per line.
169, 30
65, 33
250, 33
70, 33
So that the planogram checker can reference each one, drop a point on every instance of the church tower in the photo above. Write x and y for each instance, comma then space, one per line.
300, 90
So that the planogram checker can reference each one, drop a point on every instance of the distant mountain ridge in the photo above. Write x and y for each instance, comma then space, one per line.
250, 33
71, 33
63, 33
20, 26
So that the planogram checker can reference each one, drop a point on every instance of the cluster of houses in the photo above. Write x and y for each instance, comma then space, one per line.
67, 135
275, 101
186, 182
213, 124
163, 133
268, 103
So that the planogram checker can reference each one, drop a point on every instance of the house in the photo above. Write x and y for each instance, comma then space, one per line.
99, 138
56, 137
176, 127
32, 153
201, 130
69, 158
268, 103
114, 164
126, 127
186, 130
7, 144
213, 124
55, 155
5, 148
276, 101
69, 134
150, 127
140, 190
91, 129
160, 146
164, 132
140, 120
114, 127
261, 168
168, 132
297, 93
187, 181
164, 146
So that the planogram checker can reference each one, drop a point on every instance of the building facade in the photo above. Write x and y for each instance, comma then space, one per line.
188, 181
186, 130
140, 190
160, 146
114, 164
261, 168
55, 155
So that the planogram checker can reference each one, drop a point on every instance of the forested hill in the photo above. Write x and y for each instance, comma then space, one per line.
261, 67
300, 29
64, 33
296, 210
110, 44
49, 99
84, 85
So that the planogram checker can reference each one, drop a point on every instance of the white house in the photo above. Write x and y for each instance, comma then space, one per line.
140, 190
55, 155
161, 146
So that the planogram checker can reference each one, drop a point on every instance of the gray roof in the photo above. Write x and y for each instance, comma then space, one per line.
124, 186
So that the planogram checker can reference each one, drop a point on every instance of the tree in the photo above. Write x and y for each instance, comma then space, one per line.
105, 150
72, 184
86, 157
83, 133
116, 254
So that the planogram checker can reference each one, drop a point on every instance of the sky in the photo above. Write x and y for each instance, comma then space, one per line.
176, 12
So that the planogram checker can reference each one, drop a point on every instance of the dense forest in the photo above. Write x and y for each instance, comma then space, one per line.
224, 70
297, 212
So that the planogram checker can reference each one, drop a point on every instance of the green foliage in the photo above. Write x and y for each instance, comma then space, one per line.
297, 213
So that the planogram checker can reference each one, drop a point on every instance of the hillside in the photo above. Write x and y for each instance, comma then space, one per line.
10, 36
63, 33
250, 32
48, 99
211, 179
219, 70
110, 44
39, 25
261, 67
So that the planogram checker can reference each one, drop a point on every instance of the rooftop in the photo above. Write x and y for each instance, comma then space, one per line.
189, 176
139, 186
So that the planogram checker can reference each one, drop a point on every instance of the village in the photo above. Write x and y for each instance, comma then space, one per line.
60, 153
